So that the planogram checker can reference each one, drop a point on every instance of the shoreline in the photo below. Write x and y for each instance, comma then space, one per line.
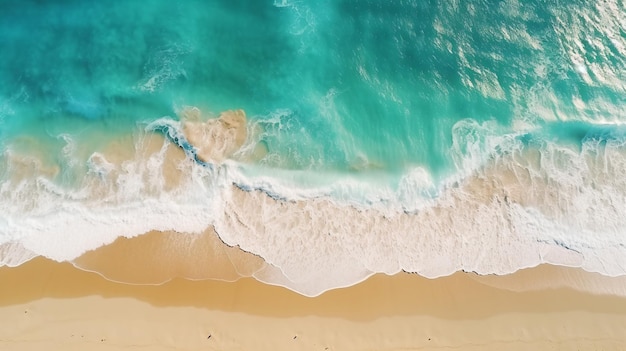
206, 256
156, 258
50, 304
490, 222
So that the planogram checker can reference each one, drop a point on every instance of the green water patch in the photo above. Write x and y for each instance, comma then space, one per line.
345, 86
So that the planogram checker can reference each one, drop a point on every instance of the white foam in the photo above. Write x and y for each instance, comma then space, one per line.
73, 230
98, 164
513, 207
163, 66
503, 217
13, 254
62, 224
282, 3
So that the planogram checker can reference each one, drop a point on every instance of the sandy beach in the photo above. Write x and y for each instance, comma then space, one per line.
301, 175
55, 306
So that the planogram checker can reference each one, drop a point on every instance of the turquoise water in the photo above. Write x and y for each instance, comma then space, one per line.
344, 89
357, 83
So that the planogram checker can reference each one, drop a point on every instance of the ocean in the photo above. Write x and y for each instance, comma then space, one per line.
333, 139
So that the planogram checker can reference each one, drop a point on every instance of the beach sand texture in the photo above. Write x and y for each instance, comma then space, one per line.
55, 306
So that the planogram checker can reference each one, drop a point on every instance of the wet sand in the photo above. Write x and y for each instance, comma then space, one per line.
54, 306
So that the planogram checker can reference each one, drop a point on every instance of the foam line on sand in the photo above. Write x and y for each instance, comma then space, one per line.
54, 306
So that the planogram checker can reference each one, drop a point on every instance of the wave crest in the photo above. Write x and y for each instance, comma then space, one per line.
516, 201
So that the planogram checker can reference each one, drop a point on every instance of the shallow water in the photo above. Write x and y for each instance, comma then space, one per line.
423, 136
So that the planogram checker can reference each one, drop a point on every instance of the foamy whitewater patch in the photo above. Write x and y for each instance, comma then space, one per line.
515, 201
165, 65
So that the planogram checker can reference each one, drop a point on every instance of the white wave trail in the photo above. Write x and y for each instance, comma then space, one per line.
516, 206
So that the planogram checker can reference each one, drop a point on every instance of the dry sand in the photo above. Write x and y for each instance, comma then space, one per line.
46, 305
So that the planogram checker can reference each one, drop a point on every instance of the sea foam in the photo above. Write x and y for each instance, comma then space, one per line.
515, 201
